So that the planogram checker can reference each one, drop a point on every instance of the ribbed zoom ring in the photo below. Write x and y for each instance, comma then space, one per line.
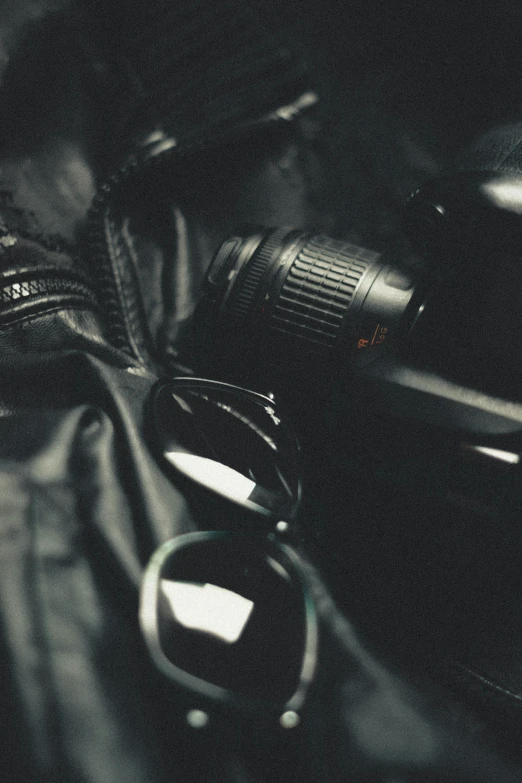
319, 289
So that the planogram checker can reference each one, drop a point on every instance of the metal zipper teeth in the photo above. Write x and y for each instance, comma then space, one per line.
24, 293
31, 286
99, 232
98, 240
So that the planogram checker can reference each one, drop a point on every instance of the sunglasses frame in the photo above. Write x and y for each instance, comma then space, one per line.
215, 694
154, 428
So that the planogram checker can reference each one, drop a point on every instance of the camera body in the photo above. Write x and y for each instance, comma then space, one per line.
431, 335
402, 372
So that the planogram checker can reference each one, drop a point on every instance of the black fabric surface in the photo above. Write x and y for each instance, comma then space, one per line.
404, 89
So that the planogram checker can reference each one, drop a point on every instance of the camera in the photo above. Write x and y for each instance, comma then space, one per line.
401, 368
434, 334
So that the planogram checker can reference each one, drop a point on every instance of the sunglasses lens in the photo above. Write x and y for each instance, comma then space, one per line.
231, 442
232, 615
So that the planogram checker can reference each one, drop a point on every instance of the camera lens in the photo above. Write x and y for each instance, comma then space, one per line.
307, 295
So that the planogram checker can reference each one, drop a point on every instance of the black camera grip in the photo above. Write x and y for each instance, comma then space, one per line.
474, 211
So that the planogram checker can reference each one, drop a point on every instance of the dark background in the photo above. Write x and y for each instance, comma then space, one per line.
405, 86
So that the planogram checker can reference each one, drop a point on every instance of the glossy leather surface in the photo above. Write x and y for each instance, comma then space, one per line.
500, 150
84, 504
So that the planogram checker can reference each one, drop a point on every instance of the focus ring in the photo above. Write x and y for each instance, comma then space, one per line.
319, 288
246, 291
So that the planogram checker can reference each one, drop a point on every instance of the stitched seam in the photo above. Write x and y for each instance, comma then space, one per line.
506, 156
40, 313
115, 253
508, 169
486, 681
136, 312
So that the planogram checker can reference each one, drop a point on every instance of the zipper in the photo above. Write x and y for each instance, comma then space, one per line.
39, 290
155, 152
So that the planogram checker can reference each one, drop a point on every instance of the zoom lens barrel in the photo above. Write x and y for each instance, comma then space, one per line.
308, 294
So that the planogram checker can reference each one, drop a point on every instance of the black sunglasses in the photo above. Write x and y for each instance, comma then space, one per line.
228, 615
228, 440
